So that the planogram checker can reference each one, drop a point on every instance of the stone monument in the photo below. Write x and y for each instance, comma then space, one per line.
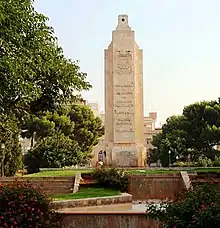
124, 119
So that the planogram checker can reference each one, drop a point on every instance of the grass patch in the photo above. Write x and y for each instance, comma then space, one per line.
67, 173
208, 170
72, 172
151, 171
167, 171
87, 193
58, 173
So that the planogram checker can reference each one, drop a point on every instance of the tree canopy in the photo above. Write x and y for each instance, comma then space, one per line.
34, 73
35, 76
64, 138
193, 133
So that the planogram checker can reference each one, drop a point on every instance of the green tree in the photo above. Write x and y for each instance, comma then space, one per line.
47, 124
194, 133
203, 128
67, 135
173, 138
34, 74
88, 128
50, 153
11, 156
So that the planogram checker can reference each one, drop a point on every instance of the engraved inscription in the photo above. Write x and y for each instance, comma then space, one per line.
123, 102
124, 107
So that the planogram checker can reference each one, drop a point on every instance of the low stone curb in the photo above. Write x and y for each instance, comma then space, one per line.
98, 201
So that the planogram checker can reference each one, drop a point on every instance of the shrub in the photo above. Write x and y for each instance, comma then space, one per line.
112, 178
204, 162
216, 162
55, 152
184, 164
31, 163
197, 208
12, 153
24, 205
180, 164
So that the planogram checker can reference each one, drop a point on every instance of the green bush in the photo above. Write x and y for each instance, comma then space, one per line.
184, 164
197, 208
31, 163
112, 178
13, 158
54, 152
204, 162
180, 164
24, 205
11, 154
216, 162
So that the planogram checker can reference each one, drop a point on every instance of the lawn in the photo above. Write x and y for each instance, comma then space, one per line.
208, 170
87, 193
152, 171
167, 171
58, 173
66, 173
72, 172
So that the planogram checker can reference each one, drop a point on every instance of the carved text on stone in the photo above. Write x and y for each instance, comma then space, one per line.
124, 107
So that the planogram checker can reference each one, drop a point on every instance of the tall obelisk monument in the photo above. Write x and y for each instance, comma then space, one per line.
124, 120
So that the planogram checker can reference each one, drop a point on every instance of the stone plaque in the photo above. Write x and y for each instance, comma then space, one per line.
124, 62
124, 111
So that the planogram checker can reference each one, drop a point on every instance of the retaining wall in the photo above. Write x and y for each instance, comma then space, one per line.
50, 185
107, 220
142, 187
100, 201
164, 186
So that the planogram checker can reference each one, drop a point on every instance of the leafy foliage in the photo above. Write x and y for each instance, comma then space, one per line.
197, 208
201, 162
216, 162
35, 76
112, 178
55, 152
88, 128
46, 124
34, 73
63, 138
193, 133
9, 136
25, 205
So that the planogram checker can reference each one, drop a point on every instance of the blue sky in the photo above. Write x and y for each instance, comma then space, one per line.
180, 39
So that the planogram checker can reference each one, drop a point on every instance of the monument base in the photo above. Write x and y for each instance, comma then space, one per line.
128, 156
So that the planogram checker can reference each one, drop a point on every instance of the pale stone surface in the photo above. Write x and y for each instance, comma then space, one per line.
77, 182
125, 125
124, 120
149, 131
186, 179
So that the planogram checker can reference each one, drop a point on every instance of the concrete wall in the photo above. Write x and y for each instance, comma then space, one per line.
50, 185
124, 198
143, 187
107, 220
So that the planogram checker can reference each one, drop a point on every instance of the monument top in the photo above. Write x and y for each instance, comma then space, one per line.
123, 23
